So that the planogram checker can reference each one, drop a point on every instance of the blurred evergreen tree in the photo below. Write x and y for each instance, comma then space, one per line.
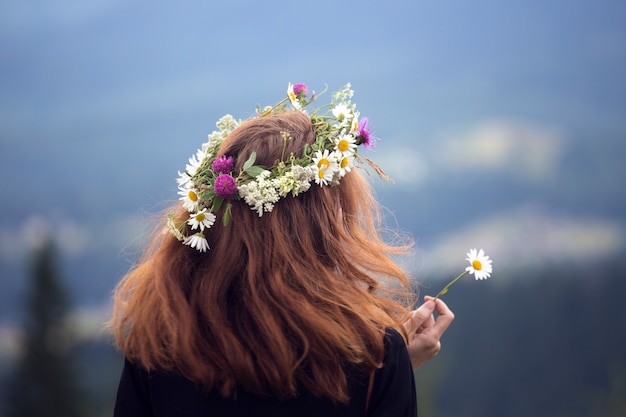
45, 382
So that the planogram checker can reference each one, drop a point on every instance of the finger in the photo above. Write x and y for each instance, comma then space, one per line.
430, 321
423, 316
440, 306
444, 318
411, 325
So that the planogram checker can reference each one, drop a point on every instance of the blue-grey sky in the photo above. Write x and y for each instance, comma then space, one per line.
503, 123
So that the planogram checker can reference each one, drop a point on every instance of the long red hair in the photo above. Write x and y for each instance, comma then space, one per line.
280, 303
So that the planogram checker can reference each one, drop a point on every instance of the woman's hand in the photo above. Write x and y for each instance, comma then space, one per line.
425, 331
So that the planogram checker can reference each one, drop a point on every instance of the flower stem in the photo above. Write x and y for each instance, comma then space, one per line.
445, 289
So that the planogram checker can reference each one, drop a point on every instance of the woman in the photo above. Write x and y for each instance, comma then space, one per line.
273, 293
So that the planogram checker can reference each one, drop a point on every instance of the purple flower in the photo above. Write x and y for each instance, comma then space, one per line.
365, 136
301, 91
222, 164
225, 186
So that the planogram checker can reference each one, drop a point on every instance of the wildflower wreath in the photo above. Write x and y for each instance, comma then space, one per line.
208, 180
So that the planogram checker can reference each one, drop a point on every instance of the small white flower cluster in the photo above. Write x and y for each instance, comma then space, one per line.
262, 192
225, 124
208, 180
296, 181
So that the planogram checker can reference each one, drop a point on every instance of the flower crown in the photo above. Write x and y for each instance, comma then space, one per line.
208, 180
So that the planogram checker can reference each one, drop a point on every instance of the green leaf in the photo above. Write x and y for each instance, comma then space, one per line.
254, 171
208, 195
226, 218
248, 164
217, 203
445, 290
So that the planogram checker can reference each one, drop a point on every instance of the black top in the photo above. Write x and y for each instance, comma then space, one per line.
165, 394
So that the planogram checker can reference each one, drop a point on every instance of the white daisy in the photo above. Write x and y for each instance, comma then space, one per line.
293, 98
192, 167
197, 241
345, 145
324, 176
354, 127
342, 113
326, 166
325, 160
183, 179
194, 163
480, 264
201, 219
345, 164
189, 197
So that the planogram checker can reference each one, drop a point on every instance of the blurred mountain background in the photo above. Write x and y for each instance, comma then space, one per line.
502, 123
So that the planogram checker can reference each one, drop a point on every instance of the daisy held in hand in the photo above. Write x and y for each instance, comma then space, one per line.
479, 265
209, 181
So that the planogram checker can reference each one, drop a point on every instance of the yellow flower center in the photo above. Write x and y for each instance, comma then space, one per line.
323, 164
200, 217
344, 162
343, 145
193, 196
477, 265
321, 173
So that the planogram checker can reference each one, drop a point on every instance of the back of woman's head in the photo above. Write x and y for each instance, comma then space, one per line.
318, 227
281, 302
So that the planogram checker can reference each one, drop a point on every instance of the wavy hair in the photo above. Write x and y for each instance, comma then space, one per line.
280, 303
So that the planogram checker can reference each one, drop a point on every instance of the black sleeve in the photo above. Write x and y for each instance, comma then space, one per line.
394, 384
133, 398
